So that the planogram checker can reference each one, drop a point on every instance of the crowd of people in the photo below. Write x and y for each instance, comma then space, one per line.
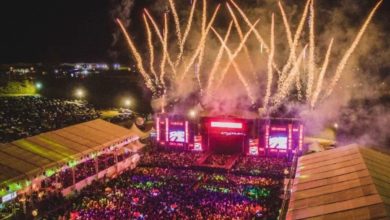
217, 160
166, 185
88, 167
262, 166
164, 193
25, 116
166, 158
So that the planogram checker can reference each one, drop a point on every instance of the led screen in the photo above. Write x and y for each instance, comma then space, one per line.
177, 136
226, 125
278, 142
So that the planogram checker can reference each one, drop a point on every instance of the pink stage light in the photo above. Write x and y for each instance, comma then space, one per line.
300, 137
290, 136
234, 125
186, 132
267, 136
177, 123
278, 129
166, 129
158, 128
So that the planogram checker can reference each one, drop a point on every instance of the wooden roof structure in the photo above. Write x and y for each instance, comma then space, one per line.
25, 158
351, 182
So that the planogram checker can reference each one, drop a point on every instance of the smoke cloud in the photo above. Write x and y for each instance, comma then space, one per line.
120, 9
340, 20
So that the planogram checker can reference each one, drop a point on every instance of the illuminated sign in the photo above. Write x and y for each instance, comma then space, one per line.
233, 125
253, 147
198, 147
278, 129
176, 123
176, 144
231, 133
253, 151
198, 143
9, 197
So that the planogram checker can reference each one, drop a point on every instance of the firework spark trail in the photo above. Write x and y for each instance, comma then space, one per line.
284, 89
241, 35
321, 76
137, 57
186, 32
289, 39
261, 48
163, 99
197, 74
164, 58
292, 57
311, 68
201, 43
298, 85
249, 23
236, 67
270, 61
286, 26
218, 59
151, 48
257, 34
349, 52
238, 50
204, 16
161, 38
177, 22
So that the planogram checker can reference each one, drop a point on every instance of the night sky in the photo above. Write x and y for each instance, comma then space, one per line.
66, 30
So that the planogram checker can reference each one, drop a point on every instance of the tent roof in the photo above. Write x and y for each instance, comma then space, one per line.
343, 183
135, 146
28, 157
140, 133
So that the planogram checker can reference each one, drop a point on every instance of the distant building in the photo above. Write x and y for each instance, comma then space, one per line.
61, 70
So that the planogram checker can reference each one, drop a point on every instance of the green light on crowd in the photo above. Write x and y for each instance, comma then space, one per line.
38, 85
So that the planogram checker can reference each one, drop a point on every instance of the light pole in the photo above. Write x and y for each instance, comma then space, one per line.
192, 114
127, 103
79, 93
38, 85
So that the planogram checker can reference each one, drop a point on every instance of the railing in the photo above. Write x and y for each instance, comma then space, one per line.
287, 192
115, 169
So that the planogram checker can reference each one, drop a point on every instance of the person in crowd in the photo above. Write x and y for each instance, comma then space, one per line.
21, 117
165, 185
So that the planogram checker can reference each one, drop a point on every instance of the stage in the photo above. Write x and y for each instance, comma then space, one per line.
274, 137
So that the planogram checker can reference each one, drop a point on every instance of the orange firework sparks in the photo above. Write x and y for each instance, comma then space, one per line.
137, 56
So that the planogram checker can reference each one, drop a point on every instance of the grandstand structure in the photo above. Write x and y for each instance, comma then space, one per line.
350, 182
26, 163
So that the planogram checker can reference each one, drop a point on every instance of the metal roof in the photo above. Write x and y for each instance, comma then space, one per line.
351, 182
26, 158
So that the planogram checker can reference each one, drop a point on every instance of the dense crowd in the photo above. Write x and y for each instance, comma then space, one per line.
26, 116
155, 190
167, 158
262, 166
163, 193
217, 159
84, 169
165, 185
